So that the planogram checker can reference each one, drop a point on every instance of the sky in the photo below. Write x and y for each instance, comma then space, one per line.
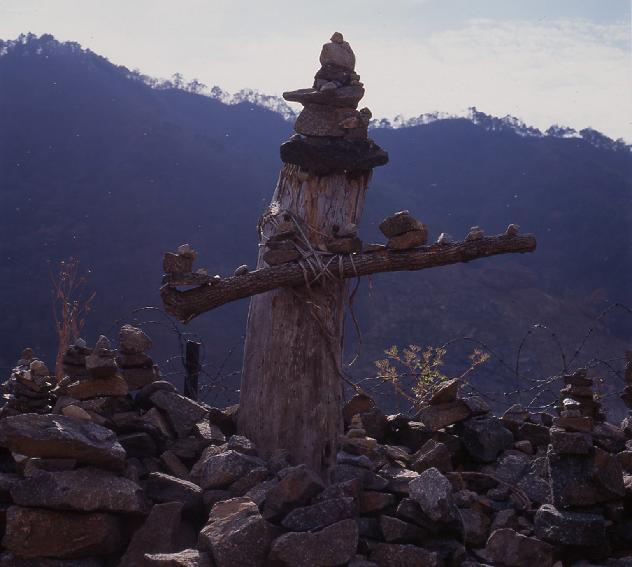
546, 62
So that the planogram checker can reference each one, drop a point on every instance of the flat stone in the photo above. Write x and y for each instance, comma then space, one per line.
438, 416
433, 492
570, 443
408, 240
219, 471
162, 488
508, 547
332, 73
485, 437
325, 156
249, 480
85, 490
133, 340
398, 555
400, 223
76, 412
157, 535
136, 378
56, 436
368, 479
177, 263
445, 392
33, 532
297, 485
398, 478
320, 120
345, 97
185, 558
334, 545
319, 515
432, 454
579, 424
236, 534
395, 530
209, 433
113, 385
182, 413
100, 366
569, 528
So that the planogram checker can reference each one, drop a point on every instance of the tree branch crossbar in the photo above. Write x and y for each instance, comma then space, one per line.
211, 292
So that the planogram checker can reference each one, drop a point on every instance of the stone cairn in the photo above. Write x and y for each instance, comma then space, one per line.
28, 388
118, 468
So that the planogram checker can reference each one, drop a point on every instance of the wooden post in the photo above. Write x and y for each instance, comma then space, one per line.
291, 387
192, 366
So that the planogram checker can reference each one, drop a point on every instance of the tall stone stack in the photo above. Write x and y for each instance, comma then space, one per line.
28, 388
332, 133
137, 368
578, 395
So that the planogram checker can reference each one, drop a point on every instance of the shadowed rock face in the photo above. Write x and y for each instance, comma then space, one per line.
332, 133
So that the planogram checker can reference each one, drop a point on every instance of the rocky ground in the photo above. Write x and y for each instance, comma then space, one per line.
112, 466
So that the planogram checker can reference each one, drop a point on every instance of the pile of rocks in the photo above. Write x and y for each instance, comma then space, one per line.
28, 388
403, 231
162, 480
331, 133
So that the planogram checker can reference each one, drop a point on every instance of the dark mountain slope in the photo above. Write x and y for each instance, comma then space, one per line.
96, 164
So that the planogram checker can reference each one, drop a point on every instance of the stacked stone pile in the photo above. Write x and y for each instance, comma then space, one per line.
403, 231
160, 480
331, 132
28, 388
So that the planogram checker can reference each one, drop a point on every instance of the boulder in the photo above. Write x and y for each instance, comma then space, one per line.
157, 535
433, 492
58, 436
33, 532
394, 555
183, 413
508, 547
484, 437
85, 490
334, 545
569, 528
236, 534
319, 515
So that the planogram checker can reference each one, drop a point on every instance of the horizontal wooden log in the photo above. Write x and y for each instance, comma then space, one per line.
211, 293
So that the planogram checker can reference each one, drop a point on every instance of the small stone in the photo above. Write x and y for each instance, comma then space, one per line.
76, 412
182, 413
241, 270
484, 437
512, 230
163, 488
346, 245
438, 416
113, 385
99, 366
400, 223
295, 488
432, 454
319, 515
185, 558
133, 340
569, 443
445, 392
395, 530
277, 257
219, 471
444, 238
337, 37
38, 368
372, 501
476, 233
322, 120
339, 54
525, 446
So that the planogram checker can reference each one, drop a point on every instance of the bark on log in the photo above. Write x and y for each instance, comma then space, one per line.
211, 293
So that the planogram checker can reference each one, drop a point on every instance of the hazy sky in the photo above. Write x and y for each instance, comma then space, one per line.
545, 61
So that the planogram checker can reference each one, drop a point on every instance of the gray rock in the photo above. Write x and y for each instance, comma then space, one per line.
183, 413
570, 443
157, 535
398, 555
433, 492
338, 54
86, 490
334, 545
56, 436
484, 437
569, 528
133, 340
399, 223
296, 486
163, 488
475, 526
185, 558
321, 120
368, 479
441, 415
507, 547
432, 454
395, 530
35, 533
319, 515
219, 471
242, 445
236, 534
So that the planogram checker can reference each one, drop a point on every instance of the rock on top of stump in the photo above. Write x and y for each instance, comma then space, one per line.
399, 223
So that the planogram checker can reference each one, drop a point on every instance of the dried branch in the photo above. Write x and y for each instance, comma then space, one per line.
212, 292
